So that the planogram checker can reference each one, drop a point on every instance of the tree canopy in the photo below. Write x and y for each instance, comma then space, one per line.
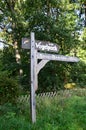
60, 21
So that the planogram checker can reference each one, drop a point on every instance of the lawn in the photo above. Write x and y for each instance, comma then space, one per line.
53, 113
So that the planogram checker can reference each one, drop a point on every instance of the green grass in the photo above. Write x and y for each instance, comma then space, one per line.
57, 113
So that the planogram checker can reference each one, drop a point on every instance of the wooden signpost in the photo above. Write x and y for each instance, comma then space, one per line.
42, 46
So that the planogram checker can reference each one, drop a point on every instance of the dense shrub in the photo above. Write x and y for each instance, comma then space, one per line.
79, 76
9, 89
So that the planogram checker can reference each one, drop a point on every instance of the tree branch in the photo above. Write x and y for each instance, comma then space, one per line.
6, 43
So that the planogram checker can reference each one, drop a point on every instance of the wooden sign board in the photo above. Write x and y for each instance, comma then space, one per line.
46, 56
47, 46
26, 43
40, 45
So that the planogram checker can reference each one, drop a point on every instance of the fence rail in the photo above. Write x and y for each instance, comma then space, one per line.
61, 93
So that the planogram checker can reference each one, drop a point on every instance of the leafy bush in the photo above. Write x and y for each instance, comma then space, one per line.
9, 89
78, 74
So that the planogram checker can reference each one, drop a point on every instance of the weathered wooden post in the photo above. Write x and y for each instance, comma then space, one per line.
34, 46
33, 78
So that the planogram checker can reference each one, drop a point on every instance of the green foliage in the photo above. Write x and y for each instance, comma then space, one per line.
50, 77
80, 74
9, 89
57, 113
54, 21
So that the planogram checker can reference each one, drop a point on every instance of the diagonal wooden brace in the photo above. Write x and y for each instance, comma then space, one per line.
41, 64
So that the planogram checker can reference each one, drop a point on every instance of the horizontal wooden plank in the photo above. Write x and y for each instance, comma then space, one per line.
40, 45
57, 57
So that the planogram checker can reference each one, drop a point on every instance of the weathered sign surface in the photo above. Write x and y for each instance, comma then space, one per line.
40, 45
26, 43
46, 56
47, 46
